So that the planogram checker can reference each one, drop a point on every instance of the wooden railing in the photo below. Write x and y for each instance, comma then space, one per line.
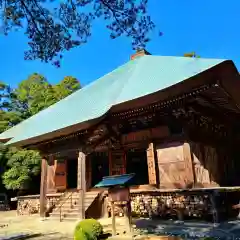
53, 205
64, 201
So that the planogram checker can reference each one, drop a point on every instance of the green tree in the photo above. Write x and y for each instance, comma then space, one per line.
8, 117
55, 26
3, 164
31, 96
22, 166
66, 87
5, 96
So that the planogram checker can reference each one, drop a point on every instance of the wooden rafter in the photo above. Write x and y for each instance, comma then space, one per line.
215, 114
217, 108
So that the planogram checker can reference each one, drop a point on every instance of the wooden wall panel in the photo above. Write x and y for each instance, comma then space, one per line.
172, 167
188, 165
205, 165
151, 164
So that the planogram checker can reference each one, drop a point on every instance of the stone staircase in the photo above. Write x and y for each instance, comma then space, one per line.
69, 206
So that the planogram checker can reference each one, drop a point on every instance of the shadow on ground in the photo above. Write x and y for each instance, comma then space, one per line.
37, 236
189, 229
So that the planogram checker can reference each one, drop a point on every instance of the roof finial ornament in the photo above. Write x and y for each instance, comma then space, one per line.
139, 53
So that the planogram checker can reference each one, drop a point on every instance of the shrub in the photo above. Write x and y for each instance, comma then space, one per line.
88, 229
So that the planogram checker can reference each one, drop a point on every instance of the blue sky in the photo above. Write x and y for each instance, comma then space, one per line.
209, 27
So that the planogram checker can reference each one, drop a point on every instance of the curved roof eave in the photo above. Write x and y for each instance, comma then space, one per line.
115, 88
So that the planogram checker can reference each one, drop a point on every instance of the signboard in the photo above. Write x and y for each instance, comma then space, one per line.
143, 135
119, 194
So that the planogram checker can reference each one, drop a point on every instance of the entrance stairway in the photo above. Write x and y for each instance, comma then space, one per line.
67, 209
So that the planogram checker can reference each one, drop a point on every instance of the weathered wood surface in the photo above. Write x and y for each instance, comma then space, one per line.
171, 166
190, 177
60, 177
51, 167
88, 172
43, 188
151, 164
205, 164
81, 184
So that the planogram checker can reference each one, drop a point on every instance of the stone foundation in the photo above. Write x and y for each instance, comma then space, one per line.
28, 205
163, 205
178, 204
183, 204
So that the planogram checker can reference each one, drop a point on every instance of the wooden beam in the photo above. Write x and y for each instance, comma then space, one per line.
230, 117
43, 188
216, 116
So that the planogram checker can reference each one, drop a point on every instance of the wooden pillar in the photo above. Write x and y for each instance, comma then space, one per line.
151, 164
127, 216
215, 210
43, 188
110, 161
51, 175
81, 184
113, 219
190, 177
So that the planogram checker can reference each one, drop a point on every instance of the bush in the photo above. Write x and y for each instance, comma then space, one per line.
88, 229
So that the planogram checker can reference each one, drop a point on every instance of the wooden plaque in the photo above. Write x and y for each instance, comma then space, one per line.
151, 164
119, 194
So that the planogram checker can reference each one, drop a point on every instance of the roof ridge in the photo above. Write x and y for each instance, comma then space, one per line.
182, 57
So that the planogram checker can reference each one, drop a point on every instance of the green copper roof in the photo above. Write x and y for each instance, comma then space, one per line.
137, 78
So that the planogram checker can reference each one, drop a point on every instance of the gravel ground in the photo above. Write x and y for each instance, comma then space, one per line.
11, 224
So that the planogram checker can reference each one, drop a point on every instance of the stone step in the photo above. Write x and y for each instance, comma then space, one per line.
74, 215
74, 209
70, 208
65, 219
77, 204
76, 201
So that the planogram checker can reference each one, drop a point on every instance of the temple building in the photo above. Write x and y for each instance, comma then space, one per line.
173, 121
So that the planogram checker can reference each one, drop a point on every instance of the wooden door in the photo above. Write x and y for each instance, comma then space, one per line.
117, 163
60, 175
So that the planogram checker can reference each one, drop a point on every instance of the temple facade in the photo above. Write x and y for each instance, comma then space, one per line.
173, 121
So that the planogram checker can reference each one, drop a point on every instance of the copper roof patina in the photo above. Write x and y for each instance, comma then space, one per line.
137, 78
117, 180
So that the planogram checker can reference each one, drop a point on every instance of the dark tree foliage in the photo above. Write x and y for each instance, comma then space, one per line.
20, 168
54, 26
